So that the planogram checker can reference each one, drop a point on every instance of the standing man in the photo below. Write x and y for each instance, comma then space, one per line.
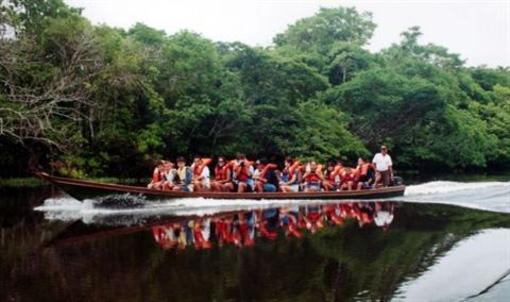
383, 167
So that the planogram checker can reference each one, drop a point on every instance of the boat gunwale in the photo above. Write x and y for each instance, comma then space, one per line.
56, 180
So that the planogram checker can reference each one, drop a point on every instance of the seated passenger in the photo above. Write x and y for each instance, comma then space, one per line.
243, 174
332, 180
365, 174
157, 176
265, 177
162, 177
183, 177
348, 179
201, 174
313, 177
290, 176
222, 177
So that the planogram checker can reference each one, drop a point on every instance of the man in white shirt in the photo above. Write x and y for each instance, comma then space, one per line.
383, 167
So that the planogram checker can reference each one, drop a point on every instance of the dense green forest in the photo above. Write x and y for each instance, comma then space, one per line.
108, 101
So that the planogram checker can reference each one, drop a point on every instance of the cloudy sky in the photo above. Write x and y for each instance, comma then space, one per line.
478, 30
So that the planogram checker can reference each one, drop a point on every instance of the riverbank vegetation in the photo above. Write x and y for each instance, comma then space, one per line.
99, 100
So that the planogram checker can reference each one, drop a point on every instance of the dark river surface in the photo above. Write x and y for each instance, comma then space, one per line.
442, 241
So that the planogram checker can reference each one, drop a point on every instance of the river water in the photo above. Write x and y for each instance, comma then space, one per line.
442, 241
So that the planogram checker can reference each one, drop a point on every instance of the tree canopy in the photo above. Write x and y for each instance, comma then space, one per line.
108, 101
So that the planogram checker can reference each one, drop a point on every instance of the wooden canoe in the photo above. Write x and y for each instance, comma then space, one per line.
86, 189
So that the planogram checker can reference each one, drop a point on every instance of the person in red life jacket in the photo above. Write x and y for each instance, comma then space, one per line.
289, 222
164, 236
334, 214
157, 176
290, 176
331, 179
222, 177
365, 173
264, 177
246, 229
314, 218
313, 177
201, 174
162, 177
201, 234
349, 180
243, 174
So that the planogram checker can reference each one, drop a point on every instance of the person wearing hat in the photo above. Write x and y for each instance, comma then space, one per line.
383, 167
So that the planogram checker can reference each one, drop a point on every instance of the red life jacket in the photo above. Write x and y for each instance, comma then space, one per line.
312, 177
157, 176
197, 170
243, 174
363, 169
348, 177
221, 173
331, 176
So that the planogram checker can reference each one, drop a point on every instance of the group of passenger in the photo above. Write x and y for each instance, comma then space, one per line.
243, 228
242, 175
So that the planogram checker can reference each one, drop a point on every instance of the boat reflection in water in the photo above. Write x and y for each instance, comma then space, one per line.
244, 228
341, 251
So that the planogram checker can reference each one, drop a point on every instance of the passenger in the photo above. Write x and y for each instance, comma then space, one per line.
265, 177
184, 176
157, 176
222, 177
243, 174
162, 177
365, 174
290, 176
313, 178
332, 179
348, 179
383, 167
201, 174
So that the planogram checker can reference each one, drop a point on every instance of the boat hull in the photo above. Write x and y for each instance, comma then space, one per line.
84, 189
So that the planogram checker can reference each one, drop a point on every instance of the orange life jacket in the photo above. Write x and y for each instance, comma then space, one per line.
313, 177
197, 170
363, 169
221, 173
242, 173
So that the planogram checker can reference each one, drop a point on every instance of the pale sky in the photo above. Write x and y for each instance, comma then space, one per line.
478, 30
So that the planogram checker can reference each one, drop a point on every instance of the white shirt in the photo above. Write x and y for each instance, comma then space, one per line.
205, 176
382, 162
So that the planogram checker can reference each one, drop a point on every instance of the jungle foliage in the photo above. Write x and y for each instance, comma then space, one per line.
108, 101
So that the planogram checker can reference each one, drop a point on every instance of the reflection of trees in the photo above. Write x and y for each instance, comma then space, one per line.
335, 263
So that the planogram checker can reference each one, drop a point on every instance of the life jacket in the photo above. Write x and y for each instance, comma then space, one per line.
197, 170
200, 241
363, 169
293, 168
242, 173
348, 176
156, 175
221, 173
245, 234
330, 175
313, 177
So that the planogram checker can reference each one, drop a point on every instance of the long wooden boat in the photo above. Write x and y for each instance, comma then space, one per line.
86, 189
